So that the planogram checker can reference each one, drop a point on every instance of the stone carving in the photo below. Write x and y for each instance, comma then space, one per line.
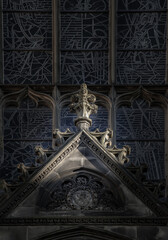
84, 137
83, 105
39, 151
27, 187
23, 172
136, 188
83, 192
105, 138
61, 137
4, 189
76, 220
121, 154
59, 140
81, 199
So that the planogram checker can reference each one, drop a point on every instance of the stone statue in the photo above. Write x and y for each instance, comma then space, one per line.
122, 156
39, 151
24, 172
106, 138
59, 140
121, 153
61, 137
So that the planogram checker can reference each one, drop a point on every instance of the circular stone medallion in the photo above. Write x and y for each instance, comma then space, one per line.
82, 198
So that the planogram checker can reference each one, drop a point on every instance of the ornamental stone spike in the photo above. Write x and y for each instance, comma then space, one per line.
83, 105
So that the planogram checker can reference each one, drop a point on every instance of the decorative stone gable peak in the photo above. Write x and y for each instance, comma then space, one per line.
83, 105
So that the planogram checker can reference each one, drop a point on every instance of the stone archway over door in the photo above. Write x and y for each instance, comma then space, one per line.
82, 233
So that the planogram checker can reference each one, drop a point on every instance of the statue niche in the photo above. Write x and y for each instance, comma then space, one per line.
82, 193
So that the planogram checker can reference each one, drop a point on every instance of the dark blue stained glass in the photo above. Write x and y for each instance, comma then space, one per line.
141, 41
142, 128
141, 5
89, 67
27, 67
100, 119
27, 4
28, 124
151, 153
24, 128
27, 30
28, 103
141, 67
84, 42
84, 31
140, 122
16, 152
141, 31
27, 26
83, 5
67, 119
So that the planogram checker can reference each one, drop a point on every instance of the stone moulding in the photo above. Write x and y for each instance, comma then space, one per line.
37, 97
84, 231
141, 92
107, 158
112, 221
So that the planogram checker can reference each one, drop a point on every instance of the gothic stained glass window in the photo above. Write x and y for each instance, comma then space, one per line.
27, 27
84, 41
24, 128
141, 42
23, 67
142, 128
140, 59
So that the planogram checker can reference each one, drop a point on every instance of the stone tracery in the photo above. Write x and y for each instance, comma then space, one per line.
83, 192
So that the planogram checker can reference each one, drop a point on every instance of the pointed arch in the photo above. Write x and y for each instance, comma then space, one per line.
79, 191
83, 231
15, 98
152, 98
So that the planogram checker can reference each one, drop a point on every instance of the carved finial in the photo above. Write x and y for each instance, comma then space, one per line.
83, 105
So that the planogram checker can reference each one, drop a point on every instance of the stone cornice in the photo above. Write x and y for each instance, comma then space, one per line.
96, 220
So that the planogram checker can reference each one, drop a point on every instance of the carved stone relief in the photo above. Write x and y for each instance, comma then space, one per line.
82, 192
83, 104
